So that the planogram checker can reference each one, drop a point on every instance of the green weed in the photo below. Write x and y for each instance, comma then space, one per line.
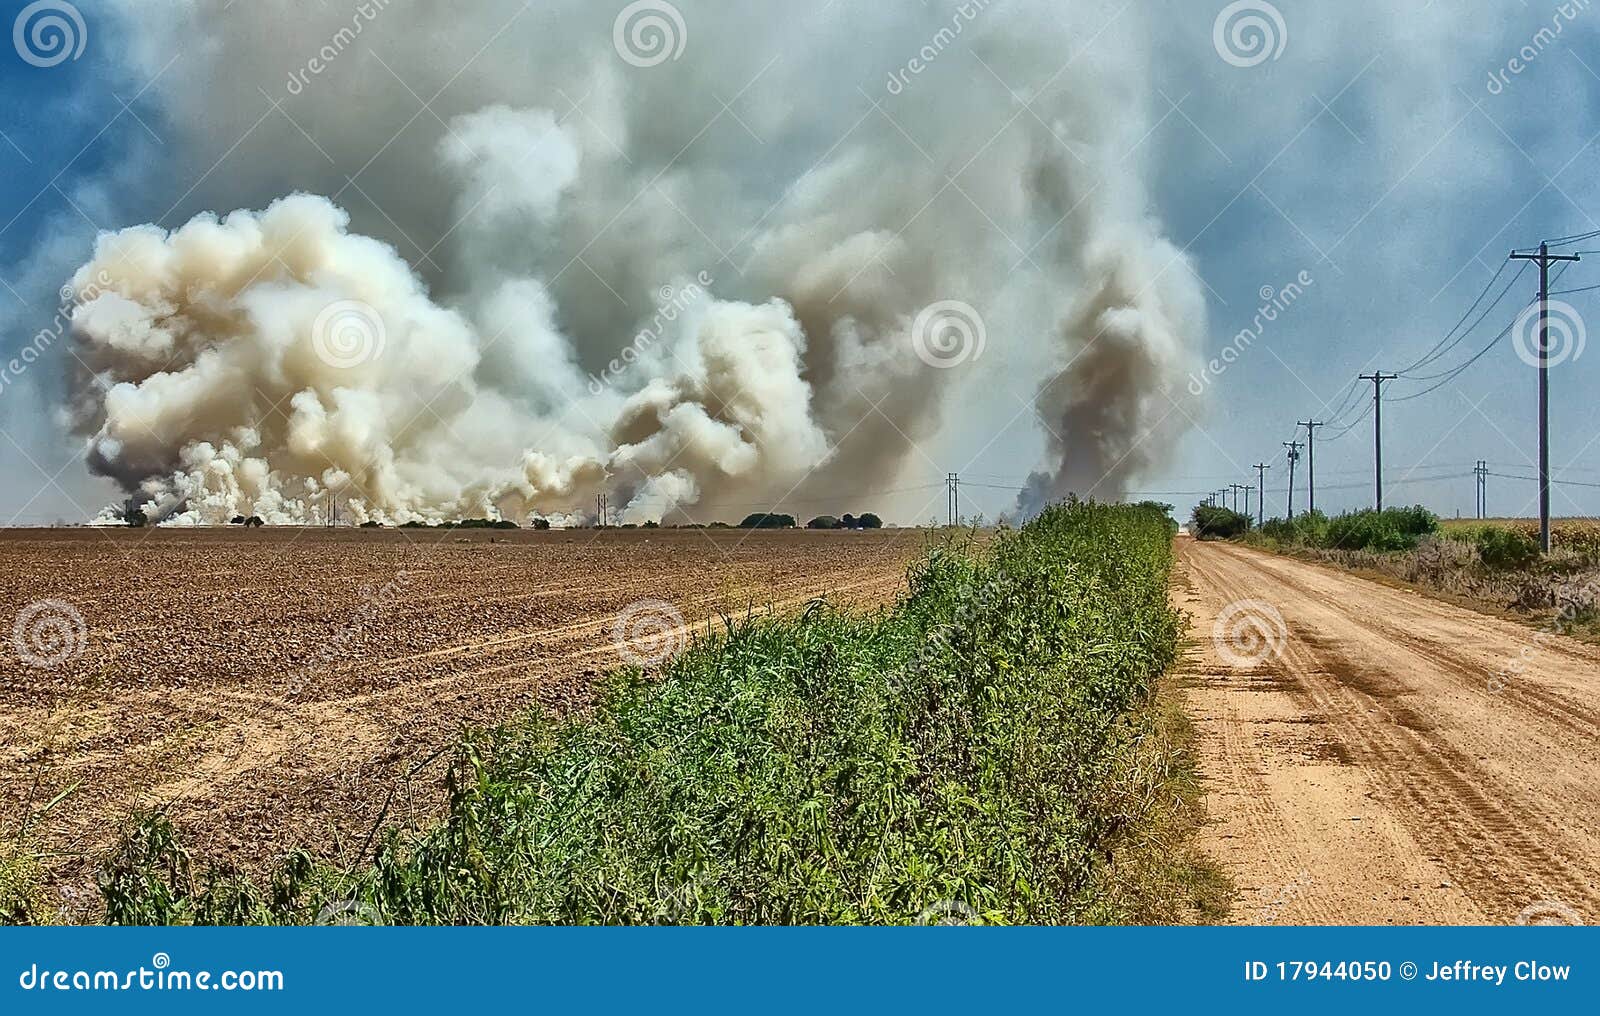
980, 746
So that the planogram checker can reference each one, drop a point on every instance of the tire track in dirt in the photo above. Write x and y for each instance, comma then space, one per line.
1458, 805
220, 703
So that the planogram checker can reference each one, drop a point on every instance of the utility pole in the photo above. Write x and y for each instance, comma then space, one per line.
602, 509
952, 483
1481, 471
1236, 487
1545, 259
1311, 461
1247, 492
1377, 379
1294, 456
1261, 506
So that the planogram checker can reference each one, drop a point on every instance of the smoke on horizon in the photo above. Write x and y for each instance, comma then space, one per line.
561, 278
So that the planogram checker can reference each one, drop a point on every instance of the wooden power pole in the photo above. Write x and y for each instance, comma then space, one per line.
1545, 260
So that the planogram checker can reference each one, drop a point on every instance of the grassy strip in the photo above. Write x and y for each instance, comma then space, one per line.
1393, 529
1155, 872
1490, 566
989, 747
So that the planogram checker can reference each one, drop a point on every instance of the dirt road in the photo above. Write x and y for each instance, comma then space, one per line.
1360, 765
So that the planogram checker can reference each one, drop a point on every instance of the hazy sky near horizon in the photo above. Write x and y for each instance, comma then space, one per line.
1378, 160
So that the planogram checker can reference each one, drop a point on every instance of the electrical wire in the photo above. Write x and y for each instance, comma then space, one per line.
990, 486
1404, 481
1574, 238
1352, 425
1348, 402
1455, 372
1446, 344
1448, 376
1553, 480
1569, 292
1439, 348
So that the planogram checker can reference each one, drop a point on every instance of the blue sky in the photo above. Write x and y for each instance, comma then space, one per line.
1371, 154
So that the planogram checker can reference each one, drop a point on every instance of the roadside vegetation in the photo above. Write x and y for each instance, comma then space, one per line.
23, 896
1493, 564
1210, 523
991, 749
1392, 529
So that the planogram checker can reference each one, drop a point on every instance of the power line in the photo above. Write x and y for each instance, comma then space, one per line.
1347, 402
1405, 481
1352, 425
1575, 238
1448, 376
1440, 351
1440, 348
1451, 375
1569, 292
990, 486
1535, 479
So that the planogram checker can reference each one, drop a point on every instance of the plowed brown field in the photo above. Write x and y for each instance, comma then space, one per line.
278, 687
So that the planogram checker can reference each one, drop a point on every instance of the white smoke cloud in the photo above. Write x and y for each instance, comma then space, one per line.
218, 390
253, 363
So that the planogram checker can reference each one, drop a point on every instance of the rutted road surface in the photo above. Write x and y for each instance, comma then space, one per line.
1359, 766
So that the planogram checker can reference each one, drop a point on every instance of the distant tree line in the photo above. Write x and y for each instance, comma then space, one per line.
759, 520
866, 520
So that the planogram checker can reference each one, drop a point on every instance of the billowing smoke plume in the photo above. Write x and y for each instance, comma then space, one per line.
584, 265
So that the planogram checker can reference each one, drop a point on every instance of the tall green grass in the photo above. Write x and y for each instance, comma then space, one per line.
966, 752
1393, 529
